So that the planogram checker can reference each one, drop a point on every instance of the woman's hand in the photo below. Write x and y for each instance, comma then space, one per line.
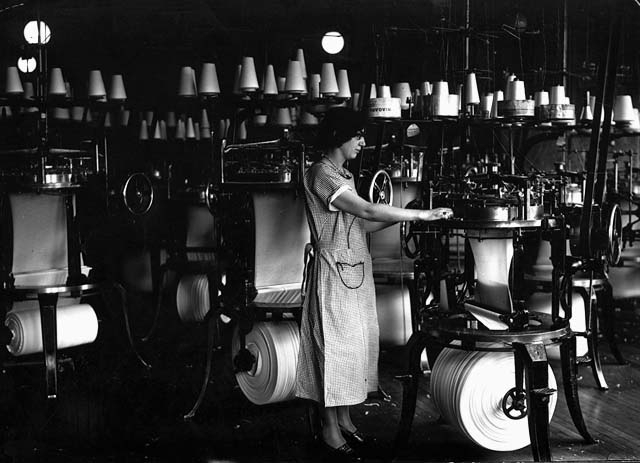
439, 213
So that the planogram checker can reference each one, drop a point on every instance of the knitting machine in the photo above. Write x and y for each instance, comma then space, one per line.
241, 260
56, 168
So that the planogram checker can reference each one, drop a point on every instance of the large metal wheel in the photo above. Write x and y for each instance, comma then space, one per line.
409, 239
613, 218
137, 193
380, 189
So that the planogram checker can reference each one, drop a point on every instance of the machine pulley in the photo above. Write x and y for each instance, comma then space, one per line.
409, 238
137, 193
380, 189
614, 233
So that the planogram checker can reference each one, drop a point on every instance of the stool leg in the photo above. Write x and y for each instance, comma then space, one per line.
48, 323
605, 298
591, 317
410, 382
536, 369
570, 382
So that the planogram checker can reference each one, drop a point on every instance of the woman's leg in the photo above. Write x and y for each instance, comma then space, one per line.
330, 427
344, 419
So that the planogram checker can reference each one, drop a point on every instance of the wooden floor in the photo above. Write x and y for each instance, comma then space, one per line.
137, 418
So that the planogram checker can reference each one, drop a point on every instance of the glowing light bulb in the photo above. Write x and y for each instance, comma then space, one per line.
332, 42
31, 32
27, 65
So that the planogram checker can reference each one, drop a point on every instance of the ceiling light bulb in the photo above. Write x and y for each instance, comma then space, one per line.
31, 32
333, 42
27, 65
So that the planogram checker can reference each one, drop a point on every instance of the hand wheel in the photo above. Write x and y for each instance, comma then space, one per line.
137, 193
514, 404
380, 189
410, 240
614, 233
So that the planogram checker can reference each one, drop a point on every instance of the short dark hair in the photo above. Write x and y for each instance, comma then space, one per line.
338, 126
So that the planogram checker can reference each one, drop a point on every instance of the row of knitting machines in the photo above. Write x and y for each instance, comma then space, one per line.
530, 267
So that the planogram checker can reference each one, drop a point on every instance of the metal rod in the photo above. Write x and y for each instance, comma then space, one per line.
565, 42
598, 148
467, 25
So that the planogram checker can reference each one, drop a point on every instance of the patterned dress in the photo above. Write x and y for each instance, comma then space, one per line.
338, 359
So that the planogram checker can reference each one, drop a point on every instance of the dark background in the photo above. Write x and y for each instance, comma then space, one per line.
386, 40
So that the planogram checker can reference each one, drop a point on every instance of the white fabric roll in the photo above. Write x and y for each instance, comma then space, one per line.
492, 255
468, 389
272, 378
192, 298
76, 324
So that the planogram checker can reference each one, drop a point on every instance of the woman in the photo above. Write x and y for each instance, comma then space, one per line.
338, 360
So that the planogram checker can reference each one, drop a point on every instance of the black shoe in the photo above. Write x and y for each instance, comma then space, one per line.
344, 453
355, 438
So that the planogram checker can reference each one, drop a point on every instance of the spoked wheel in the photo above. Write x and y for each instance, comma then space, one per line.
613, 222
137, 193
514, 404
409, 238
380, 189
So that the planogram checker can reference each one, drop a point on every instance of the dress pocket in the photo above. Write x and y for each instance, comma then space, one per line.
351, 274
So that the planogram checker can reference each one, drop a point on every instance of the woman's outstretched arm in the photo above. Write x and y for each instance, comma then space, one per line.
382, 215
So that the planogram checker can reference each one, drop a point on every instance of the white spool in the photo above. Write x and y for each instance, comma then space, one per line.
468, 389
76, 324
384, 108
192, 298
272, 378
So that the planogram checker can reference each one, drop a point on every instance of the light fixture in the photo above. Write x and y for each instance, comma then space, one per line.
31, 32
332, 42
27, 65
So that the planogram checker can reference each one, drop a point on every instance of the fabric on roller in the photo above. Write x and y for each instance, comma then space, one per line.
625, 282
468, 388
625, 206
394, 314
275, 346
492, 253
200, 232
541, 270
488, 318
51, 277
281, 230
192, 298
541, 302
279, 296
76, 325
17, 306
392, 266
39, 232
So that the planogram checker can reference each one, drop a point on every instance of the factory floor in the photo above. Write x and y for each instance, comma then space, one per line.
111, 408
